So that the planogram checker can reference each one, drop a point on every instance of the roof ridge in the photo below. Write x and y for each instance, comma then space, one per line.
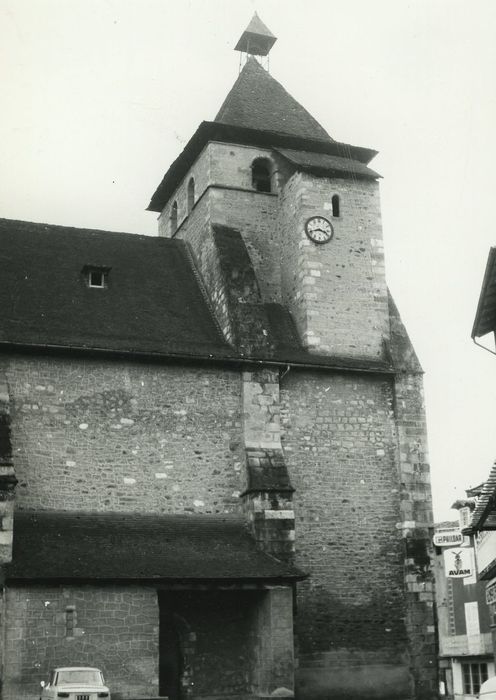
25, 225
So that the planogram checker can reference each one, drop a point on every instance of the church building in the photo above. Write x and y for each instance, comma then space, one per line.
214, 480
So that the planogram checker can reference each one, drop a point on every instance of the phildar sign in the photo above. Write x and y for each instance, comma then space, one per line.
447, 537
458, 562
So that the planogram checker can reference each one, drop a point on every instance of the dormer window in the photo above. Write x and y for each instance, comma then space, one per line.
96, 277
261, 175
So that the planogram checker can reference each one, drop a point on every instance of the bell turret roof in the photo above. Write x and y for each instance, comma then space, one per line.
258, 101
257, 39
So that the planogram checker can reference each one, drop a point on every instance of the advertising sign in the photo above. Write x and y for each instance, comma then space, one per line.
447, 537
458, 562
491, 592
486, 550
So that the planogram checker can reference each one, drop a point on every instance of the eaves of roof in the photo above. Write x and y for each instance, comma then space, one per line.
226, 133
484, 515
296, 359
325, 164
485, 317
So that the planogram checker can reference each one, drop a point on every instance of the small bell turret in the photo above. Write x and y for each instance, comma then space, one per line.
256, 40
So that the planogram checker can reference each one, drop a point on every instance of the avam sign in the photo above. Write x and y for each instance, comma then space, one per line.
458, 563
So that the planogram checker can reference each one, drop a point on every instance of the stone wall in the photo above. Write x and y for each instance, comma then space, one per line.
115, 629
200, 172
121, 436
340, 442
416, 527
267, 497
234, 643
224, 195
115, 436
337, 291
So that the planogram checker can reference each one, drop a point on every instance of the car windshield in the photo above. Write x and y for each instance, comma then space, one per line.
80, 676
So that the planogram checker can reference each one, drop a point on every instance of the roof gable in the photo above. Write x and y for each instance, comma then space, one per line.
258, 101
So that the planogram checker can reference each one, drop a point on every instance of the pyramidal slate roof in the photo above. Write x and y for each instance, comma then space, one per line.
258, 101
257, 39
256, 26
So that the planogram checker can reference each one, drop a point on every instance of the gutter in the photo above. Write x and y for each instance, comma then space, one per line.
229, 359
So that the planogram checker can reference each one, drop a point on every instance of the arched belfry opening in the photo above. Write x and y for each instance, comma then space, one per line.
261, 175
257, 40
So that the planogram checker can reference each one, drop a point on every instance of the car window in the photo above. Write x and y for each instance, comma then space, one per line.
79, 676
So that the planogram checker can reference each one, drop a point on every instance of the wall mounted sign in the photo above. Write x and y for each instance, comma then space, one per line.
458, 562
447, 537
491, 592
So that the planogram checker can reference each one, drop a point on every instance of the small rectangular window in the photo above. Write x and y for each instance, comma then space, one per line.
70, 620
96, 277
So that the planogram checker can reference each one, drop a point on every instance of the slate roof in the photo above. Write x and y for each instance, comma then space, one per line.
258, 101
257, 39
51, 545
484, 514
485, 317
154, 305
153, 302
248, 136
256, 26
323, 163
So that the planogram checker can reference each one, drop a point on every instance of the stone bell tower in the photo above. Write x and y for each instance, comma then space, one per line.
306, 207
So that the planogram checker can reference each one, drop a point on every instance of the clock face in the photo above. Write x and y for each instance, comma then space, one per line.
318, 229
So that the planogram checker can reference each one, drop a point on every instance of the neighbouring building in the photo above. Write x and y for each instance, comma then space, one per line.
464, 625
214, 469
483, 521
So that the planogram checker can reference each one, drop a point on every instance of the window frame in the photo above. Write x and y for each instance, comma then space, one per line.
90, 270
472, 681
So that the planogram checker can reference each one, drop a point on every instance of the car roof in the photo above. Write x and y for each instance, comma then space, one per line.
488, 686
76, 668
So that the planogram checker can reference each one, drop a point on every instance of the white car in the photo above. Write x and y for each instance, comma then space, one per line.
75, 683
488, 689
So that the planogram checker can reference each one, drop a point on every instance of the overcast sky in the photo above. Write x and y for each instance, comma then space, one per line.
99, 96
